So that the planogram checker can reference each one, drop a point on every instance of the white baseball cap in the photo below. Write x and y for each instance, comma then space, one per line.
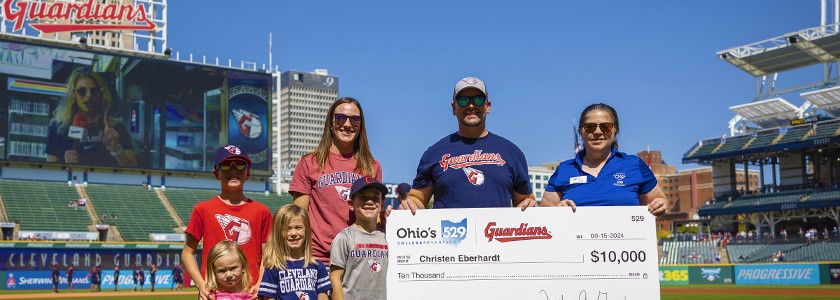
469, 82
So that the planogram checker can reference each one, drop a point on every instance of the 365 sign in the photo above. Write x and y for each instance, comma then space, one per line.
89, 15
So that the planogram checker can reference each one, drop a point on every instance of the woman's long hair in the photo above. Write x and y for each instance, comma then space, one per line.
68, 108
222, 248
276, 249
605, 108
364, 159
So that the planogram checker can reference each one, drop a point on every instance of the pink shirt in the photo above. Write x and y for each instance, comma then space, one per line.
221, 295
329, 209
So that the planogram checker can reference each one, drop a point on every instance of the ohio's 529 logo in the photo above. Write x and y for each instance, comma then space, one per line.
453, 233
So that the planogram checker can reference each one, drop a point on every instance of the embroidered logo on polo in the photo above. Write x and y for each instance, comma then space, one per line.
235, 228
619, 179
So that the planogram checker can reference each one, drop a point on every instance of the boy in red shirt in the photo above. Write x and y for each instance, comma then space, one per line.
229, 216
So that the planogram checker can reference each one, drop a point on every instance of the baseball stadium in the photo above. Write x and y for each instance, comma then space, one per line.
128, 206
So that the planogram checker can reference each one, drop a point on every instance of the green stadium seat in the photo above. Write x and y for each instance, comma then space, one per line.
42, 206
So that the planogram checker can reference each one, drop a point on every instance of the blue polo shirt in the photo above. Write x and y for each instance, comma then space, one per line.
622, 179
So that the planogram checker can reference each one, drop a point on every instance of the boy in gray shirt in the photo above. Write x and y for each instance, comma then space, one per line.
359, 254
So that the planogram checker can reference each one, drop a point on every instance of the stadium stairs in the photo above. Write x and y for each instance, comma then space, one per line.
137, 210
724, 256
3, 216
169, 208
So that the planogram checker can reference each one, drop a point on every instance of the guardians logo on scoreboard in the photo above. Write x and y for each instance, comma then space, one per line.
248, 122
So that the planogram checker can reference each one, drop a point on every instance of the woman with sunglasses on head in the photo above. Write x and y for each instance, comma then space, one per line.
322, 179
600, 175
82, 132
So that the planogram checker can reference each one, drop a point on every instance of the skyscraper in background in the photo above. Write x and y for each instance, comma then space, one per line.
300, 108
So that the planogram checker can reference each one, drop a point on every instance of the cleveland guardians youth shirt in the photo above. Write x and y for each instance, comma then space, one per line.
247, 224
468, 173
619, 183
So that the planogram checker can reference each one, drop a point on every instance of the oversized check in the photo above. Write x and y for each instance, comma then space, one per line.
505, 253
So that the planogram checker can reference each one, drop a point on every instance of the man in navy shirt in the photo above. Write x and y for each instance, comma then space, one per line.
472, 167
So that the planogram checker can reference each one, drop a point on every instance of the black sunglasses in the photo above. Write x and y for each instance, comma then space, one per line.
84, 91
464, 101
341, 118
605, 127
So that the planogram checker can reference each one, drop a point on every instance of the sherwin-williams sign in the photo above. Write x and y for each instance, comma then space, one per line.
40, 280
710, 274
805, 274
673, 275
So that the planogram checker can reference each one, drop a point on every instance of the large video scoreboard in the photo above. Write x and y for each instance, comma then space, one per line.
168, 115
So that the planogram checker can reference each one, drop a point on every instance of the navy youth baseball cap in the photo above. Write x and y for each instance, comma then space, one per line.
228, 152
403, 188
366, 182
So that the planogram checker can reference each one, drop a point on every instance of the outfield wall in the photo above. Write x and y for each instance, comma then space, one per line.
751, 274
28, 265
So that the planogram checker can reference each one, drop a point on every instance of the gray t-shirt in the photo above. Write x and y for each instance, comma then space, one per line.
364, 257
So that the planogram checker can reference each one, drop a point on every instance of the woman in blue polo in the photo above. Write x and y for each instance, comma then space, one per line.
600, 175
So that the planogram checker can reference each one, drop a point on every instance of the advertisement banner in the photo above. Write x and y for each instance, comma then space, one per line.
834, 273
710, 274
33, 259
673, 275
781, 274
154, 110
40, 280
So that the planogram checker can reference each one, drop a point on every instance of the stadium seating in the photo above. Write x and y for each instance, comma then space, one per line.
706, 148
273, 201
826, 129
818, 251
42, 206
771, 198
734, 143
139, 211
688, 252
763, 139
824, 195
756, 253
183, 199
795, 134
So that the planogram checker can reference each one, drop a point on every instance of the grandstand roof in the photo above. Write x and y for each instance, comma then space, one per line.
790, 51
767, 113
825, 99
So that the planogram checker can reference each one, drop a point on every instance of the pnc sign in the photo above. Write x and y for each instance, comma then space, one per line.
89, 15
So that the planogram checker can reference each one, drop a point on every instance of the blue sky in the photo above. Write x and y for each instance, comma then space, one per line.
543, 62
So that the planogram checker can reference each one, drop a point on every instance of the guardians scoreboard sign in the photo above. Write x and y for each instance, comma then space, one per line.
43, 256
